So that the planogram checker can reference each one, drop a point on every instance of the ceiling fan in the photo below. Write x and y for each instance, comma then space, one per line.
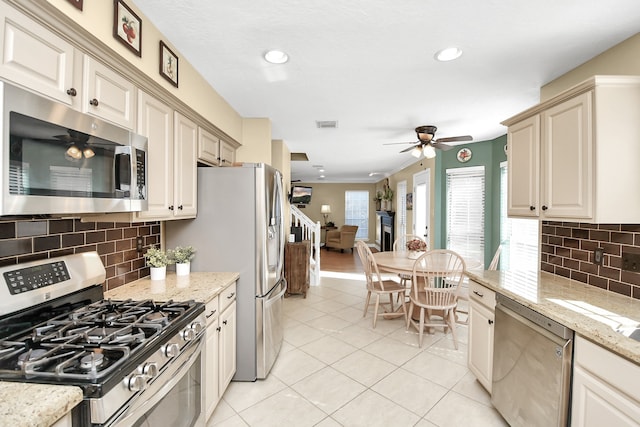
427, 144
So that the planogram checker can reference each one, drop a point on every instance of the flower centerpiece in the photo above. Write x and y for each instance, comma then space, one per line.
182, 256
415, 248
157, 260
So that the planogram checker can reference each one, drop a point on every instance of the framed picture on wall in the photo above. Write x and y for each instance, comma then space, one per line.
409, 201
76, 3
168, 64
127, 27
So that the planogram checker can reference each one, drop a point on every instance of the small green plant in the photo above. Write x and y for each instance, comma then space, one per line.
182, 254
378, 196
156, 257
331, 224
388, 194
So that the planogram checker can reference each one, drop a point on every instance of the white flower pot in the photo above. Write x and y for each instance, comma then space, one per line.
158, 273
414, 254
183, 268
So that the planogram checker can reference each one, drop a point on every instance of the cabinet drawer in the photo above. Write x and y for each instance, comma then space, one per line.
227, 297
211, 310
483, 295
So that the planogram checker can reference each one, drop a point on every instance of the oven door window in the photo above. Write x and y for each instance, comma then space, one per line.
49, 160
180, 407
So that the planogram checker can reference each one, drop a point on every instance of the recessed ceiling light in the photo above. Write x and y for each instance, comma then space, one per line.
276, 57
448, 54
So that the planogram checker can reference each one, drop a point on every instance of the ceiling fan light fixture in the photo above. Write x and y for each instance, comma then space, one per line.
426, 133
429, 152
448, 54
276, 57
417, 152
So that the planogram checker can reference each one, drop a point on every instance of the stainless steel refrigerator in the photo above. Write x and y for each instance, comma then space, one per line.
239, 227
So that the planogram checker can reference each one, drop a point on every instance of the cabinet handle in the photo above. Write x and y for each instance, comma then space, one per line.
532, 208
180, 207
218, 329
231, 295
72, 92
480, 294
171, 207
211, 314
490, 321
94, 102
544, 208
224, 322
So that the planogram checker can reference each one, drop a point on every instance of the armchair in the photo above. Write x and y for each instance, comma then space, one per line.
342, 239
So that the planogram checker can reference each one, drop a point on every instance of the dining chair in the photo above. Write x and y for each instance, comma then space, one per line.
463, 291
379, 287
436, 277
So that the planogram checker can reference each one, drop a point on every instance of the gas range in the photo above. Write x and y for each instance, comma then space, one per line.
113, 350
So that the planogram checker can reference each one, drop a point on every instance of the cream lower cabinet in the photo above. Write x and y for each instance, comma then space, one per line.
220, 347
605, 388
482, 302
566, 154
65, 421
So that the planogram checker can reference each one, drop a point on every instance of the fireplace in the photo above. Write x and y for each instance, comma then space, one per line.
387, 234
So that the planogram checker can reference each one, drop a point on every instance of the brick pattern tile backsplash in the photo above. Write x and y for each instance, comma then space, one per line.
115, 242
568, 250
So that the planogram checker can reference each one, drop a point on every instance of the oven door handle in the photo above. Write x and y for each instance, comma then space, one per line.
159, 390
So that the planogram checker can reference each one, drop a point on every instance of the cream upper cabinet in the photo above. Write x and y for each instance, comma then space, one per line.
605, 388
36, 58
155, 121
213, 150
586, 143
107, 94
185, 168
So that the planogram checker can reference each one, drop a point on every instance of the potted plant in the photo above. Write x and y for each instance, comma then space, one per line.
378, 199
387, 197
157, 260
182, 256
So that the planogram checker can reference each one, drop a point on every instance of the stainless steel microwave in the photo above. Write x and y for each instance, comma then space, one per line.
56, 160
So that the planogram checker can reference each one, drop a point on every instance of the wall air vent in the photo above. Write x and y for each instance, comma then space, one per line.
326, 124
299, 157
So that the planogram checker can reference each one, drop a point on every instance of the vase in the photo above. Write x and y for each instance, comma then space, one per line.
183, 268
158, 273
414, 254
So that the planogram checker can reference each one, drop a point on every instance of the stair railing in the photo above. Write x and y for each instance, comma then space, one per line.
310, 231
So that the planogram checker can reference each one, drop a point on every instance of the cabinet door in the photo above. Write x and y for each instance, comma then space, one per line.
185, 176
155, 121
595, 403
211, 366
34, 57
227, 346
480, 356
227, 154
108, 95
567, 165
523, 158
208, 147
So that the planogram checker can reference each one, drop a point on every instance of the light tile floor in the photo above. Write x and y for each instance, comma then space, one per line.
334, 369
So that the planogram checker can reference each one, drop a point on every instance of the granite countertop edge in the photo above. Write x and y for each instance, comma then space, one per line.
44, 404
584, 308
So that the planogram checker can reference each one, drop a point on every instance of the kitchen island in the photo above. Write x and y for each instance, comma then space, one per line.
590, 311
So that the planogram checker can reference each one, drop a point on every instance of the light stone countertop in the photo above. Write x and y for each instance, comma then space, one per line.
35, 405
41, 405
196, 286
590, 311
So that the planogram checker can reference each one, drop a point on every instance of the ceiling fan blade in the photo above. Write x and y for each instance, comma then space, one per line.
396, 143
455, 138
410, 148
443, 147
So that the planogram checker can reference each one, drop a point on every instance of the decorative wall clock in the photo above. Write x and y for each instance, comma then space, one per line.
464, 155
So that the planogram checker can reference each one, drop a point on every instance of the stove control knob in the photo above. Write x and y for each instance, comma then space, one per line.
192, 331
136, 382
150, 369
171, 350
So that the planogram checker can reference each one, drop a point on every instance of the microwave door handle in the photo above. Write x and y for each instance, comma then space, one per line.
122, 168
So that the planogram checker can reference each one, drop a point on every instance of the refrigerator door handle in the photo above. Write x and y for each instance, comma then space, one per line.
278, 194
271, 298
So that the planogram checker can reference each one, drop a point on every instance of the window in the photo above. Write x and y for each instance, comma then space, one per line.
401, 207
518, 236
465, 211
356, 212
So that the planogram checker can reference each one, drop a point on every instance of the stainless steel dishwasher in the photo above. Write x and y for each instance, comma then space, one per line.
532, 358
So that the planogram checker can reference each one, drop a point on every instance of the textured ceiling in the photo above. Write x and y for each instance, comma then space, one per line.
368, 64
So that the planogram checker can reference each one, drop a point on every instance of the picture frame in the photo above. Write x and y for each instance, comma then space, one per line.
76, 3
409, 204
127, 27
168, 64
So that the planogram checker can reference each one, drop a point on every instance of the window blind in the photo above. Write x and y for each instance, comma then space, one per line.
465, 211
401, 207
356, 211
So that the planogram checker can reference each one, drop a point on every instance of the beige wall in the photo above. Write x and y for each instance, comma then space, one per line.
622, 59
256, 142
333, 195
97, 18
